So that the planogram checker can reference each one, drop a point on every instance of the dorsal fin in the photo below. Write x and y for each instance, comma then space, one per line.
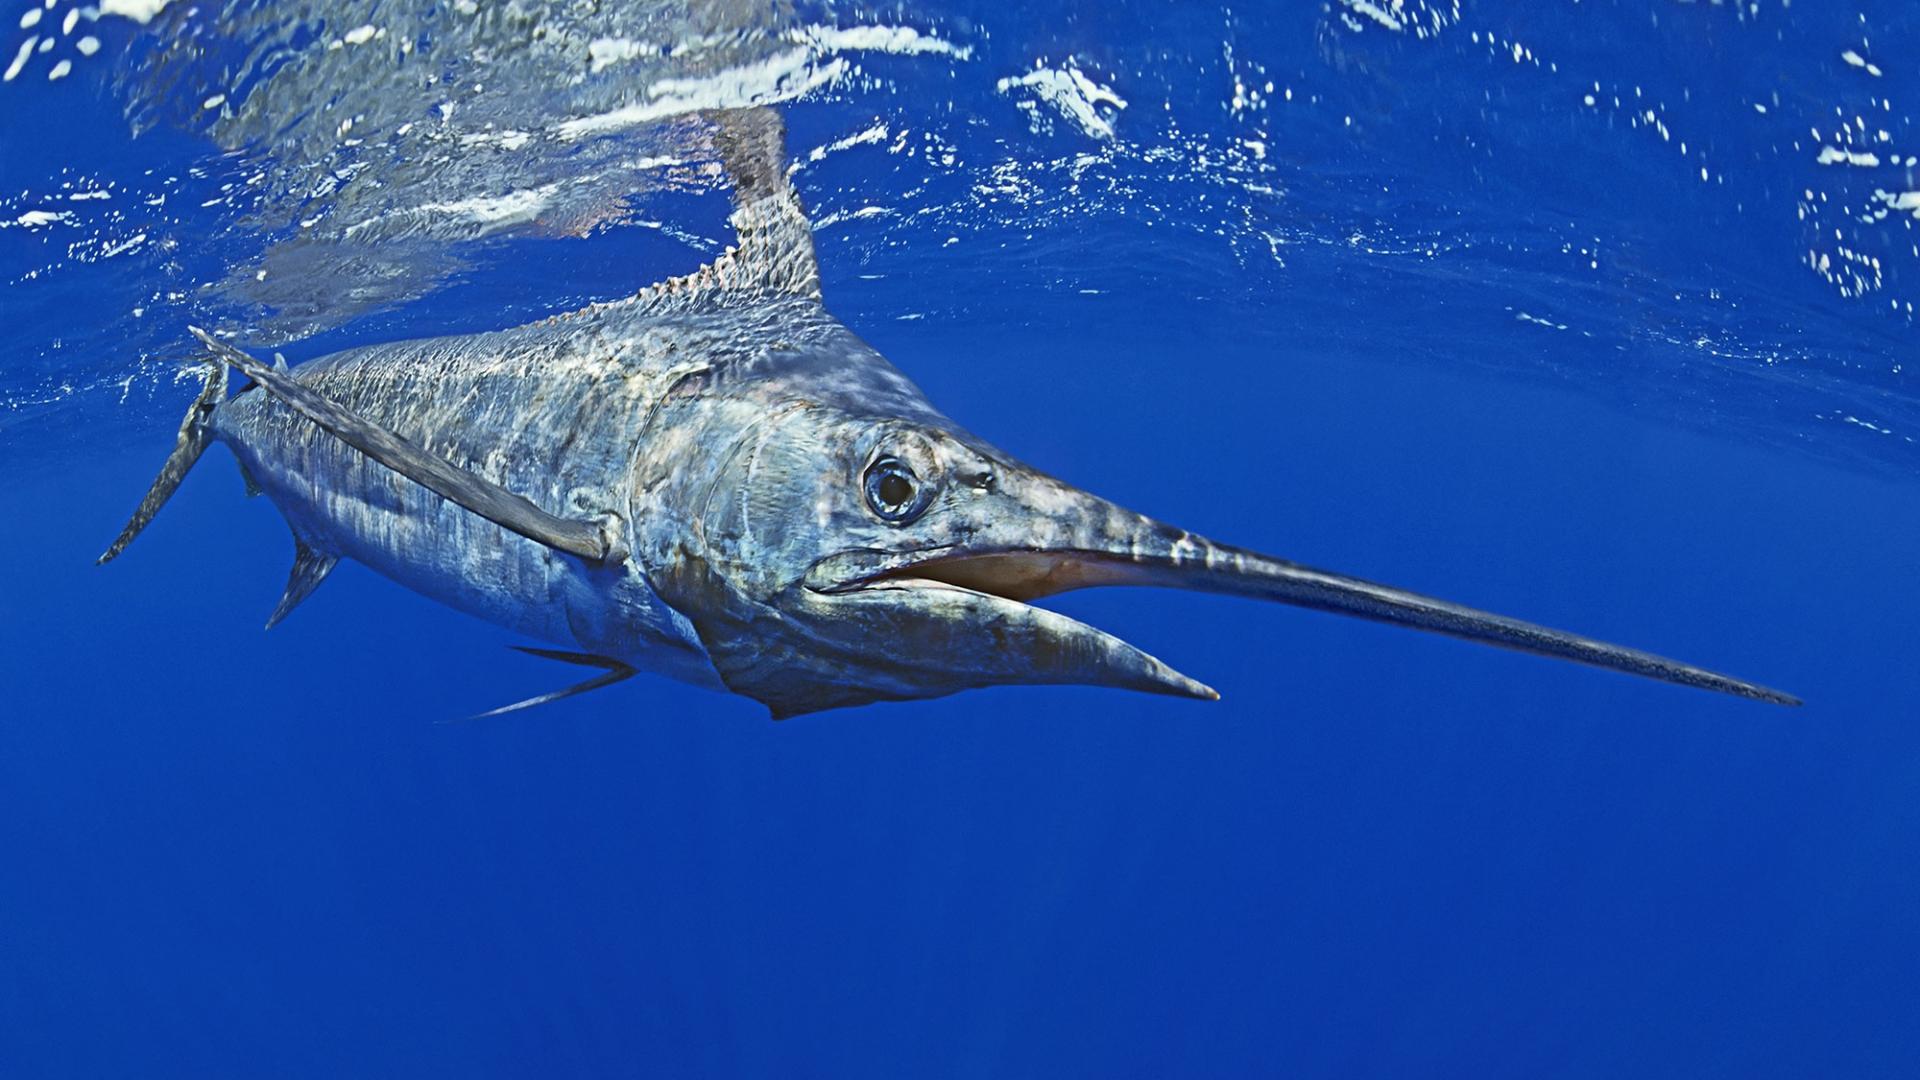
774, 248
310, 568
576, 536
776, 239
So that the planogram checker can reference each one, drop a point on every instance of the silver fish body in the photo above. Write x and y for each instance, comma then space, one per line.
717, 481
621, 412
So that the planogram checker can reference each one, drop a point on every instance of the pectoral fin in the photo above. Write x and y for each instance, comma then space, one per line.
586, 539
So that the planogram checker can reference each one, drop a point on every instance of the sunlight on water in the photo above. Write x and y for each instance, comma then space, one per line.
313, 167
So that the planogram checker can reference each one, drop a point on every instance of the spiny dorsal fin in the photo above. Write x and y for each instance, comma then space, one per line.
774, 250
310, 568
776, 239
587, 539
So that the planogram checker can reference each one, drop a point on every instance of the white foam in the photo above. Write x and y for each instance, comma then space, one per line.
1833, 155
1905, 201
887, 39
19, 59
1852, 58
34, 219
505, 140
783, 76
359, 35
603, 53
513, 208
124, 246
1390, 19
140, 11
876, 133
1072, 94
863, 213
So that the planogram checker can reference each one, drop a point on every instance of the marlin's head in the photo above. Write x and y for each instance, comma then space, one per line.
841, 559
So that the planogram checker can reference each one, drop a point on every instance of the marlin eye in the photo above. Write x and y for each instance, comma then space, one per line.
893, 492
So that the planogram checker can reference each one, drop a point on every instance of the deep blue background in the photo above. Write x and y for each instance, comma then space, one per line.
1382, 854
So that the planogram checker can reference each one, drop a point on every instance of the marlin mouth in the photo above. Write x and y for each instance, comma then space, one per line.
1017, 574
979, 599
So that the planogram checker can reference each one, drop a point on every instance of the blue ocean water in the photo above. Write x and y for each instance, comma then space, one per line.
1592, 313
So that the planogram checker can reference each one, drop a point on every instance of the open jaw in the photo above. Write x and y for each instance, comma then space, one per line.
965, 617
1004, 579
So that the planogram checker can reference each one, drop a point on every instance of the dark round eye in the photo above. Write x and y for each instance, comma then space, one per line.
893, 492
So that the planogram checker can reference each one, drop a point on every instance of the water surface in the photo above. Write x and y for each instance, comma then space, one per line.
1596, 313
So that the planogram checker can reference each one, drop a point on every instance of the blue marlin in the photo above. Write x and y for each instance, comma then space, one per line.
717, 481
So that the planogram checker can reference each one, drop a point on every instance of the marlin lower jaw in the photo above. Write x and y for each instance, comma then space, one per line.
986, 639
1154, 554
